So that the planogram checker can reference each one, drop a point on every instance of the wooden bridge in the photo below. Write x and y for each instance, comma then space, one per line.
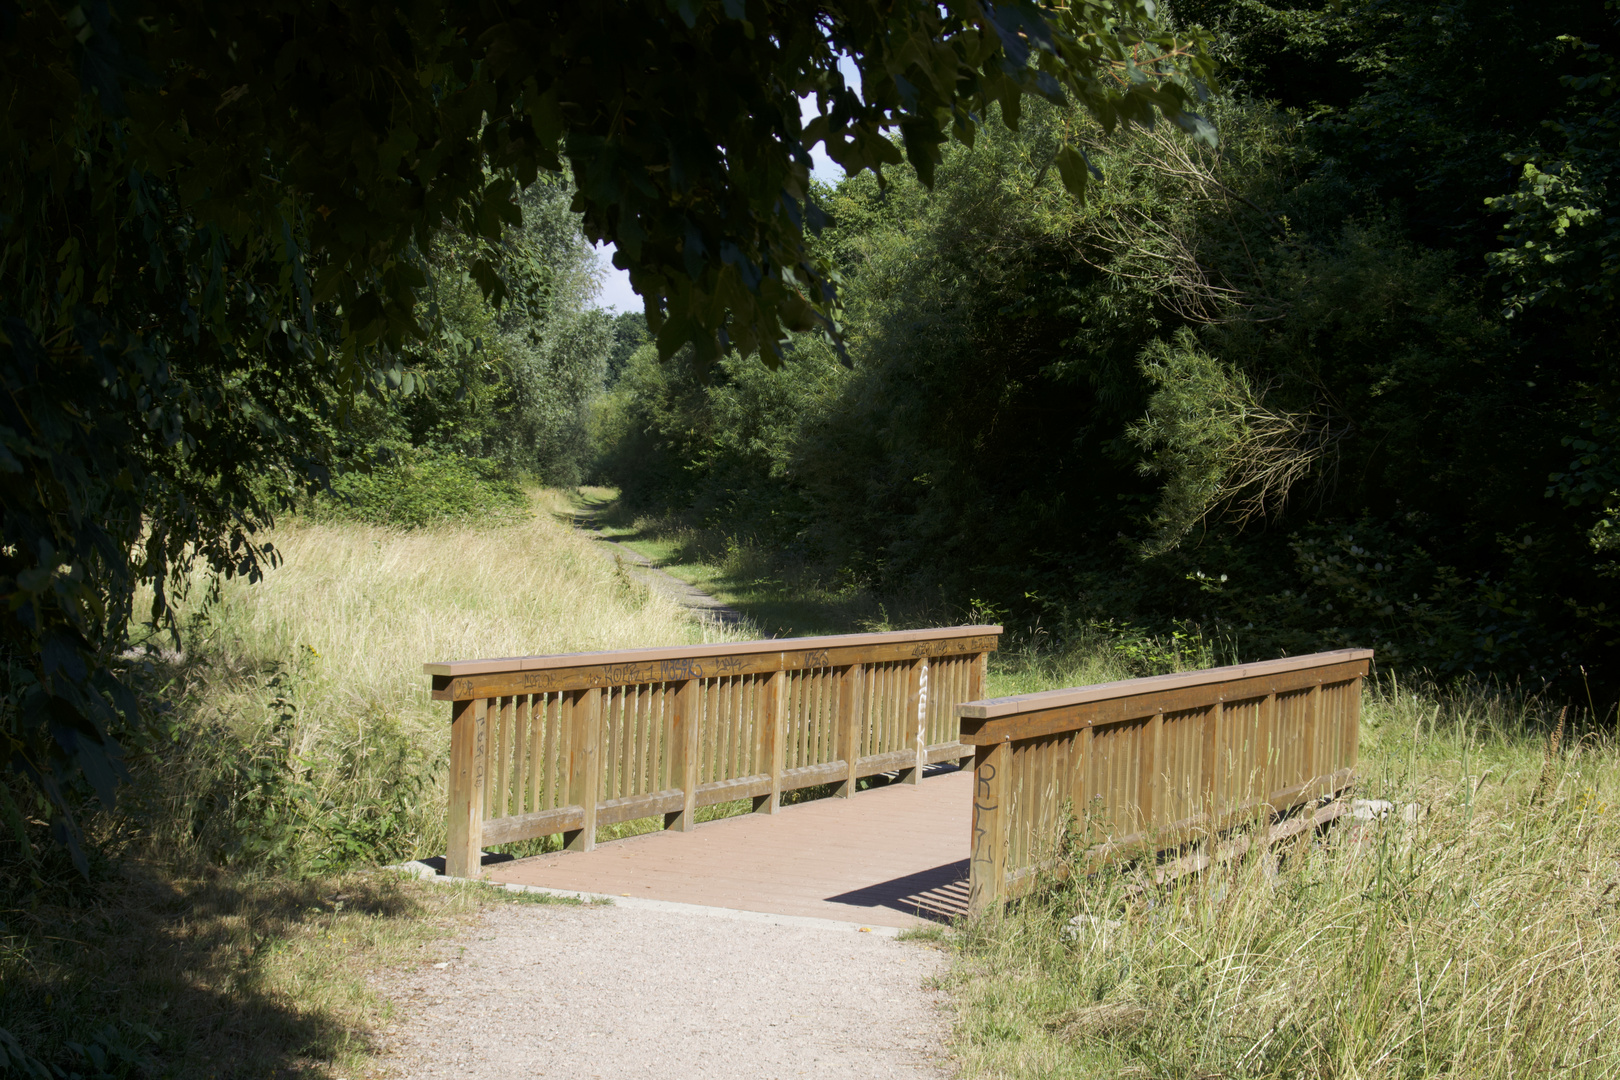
567, 744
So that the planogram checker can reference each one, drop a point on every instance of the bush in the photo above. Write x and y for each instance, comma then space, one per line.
422, 488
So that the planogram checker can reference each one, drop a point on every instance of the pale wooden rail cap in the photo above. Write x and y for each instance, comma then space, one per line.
454, 668
991, 708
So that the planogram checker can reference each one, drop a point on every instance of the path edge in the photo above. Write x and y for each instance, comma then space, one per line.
424, 872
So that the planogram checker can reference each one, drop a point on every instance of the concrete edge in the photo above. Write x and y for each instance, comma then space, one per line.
424, 872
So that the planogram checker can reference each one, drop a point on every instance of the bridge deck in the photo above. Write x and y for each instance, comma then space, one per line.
891, 856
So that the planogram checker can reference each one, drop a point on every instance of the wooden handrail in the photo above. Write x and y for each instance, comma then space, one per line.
1146, 764
567, 743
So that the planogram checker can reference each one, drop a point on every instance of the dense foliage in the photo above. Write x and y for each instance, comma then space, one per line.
1304, 390
218, 228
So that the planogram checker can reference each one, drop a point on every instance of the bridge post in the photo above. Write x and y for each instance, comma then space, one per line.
583, 712
683, 769
978, 677
468, 735
987, 858
773, 737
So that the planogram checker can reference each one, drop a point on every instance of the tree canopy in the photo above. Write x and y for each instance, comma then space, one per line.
216, 227
1345, 379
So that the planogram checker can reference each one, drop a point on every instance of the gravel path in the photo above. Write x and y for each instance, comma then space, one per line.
644, 570
684, 593
623, 991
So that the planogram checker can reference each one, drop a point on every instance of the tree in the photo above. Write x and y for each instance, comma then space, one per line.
215, 223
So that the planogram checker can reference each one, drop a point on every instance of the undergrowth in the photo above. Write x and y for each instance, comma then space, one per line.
419, 488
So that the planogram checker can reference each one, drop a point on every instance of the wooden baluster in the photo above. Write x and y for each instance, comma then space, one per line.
658, 738
503, 759
537, 755
966, 673
742, 755
466, 824
850, 700
621, 712
1268, 747
1080, 781
1211, 763
643, 742
585, 763
883, 721
554, 744
709, 727
917, 705
520, 762
629, 723
794, 689
824, 749
1312, 739
1352, 724
742, 745
1150, 764
871, 721
770, 725
725, 715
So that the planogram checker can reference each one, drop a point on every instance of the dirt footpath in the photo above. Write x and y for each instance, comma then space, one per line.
624, 991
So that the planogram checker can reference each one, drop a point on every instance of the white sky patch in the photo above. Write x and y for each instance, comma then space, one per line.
616, 292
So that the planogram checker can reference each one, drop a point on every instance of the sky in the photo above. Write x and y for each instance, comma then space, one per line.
616, 292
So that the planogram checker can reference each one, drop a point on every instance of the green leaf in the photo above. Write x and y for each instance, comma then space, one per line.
1075, 170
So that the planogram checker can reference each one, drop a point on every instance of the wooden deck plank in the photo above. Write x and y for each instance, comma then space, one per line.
890, 856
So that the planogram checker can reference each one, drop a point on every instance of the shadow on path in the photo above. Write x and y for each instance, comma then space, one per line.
939, 894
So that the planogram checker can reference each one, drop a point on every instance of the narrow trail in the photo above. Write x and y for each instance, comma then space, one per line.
644, 570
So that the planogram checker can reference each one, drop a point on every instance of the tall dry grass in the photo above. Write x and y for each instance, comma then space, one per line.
304, 734
1475, 935
292, 747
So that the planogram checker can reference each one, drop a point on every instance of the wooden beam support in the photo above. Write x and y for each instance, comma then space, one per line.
466, 833
772, 720
683, 749
987, 858
583, 710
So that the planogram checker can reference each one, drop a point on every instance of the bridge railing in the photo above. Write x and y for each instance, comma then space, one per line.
564, 744
1148, 764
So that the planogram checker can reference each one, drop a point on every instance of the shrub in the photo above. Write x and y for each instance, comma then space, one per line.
423, 488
